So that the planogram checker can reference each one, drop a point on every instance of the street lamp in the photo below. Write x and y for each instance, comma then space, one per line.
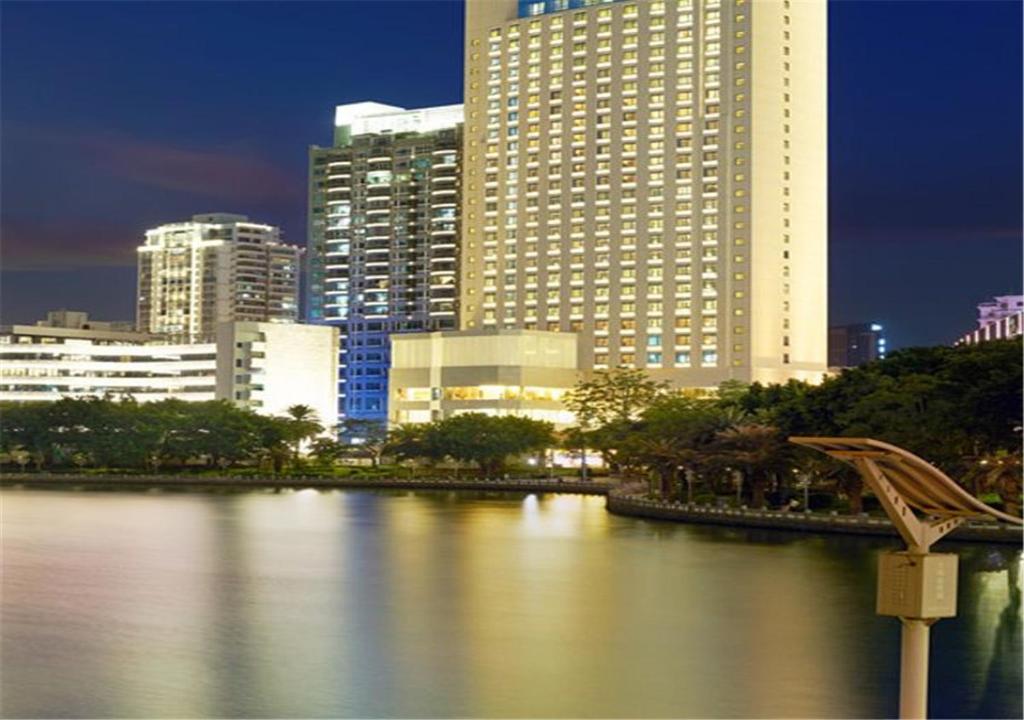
804, 483
737, 480
915, 585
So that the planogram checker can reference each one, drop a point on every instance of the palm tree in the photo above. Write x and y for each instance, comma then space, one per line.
662, 456
757, 450
303, 424
845, 480
999, 472
669, 457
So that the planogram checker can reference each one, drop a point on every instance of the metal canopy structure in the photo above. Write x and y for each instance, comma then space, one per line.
916, 586
902, 481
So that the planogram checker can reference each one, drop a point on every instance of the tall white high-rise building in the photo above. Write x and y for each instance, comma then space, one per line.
650, 175
215, 268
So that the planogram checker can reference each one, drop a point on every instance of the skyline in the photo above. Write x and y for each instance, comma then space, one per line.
221, 149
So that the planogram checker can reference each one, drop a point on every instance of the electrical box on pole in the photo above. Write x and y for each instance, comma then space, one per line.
915, 585
911, 585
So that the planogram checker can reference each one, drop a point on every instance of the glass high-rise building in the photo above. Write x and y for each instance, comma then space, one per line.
652, 176
383, 238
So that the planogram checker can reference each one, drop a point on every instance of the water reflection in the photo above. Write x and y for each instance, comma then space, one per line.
377, 604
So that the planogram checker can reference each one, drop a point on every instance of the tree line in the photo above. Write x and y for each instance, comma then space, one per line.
957, 407
120, 433
110, 433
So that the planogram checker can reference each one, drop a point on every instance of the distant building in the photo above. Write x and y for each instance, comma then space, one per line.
496, 372
214, 268
999, 307
999, 318
78, 320
382, 249
856, 344
263, 366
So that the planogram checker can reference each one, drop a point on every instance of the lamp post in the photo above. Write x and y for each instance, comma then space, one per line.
915, 585
804, 483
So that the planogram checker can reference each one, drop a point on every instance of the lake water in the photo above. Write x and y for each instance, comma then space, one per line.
414, 604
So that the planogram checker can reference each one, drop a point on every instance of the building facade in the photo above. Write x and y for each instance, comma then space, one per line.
383, 238
652, 177
263, 366
856, 344
215, 268
78, 320
496, 372
1004, 328
999, 307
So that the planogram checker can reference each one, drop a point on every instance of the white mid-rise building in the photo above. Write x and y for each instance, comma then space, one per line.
266, 367
215, 268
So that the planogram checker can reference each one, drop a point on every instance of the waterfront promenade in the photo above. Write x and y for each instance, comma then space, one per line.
619, 502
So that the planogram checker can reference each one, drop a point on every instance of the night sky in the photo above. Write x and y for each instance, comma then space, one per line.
117, 117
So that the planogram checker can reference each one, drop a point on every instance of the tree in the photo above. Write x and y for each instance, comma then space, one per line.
844, 480
474, 438
606, 406
368, 438
674, 435
273, 438
415, 442
27, 427
327, 451
303, 424
484, 440
999, 472
757, 451
613, 395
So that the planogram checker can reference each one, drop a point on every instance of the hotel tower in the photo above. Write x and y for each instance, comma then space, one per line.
652, 176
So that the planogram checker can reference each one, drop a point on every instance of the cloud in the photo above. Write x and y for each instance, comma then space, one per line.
66, 243
218, 173
113, 187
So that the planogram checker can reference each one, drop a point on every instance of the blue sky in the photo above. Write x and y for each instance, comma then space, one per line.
119, 116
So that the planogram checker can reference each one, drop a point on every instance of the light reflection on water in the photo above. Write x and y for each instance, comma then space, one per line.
371, 604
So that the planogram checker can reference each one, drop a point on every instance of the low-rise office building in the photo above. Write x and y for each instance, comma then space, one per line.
437, 375
855, 344
259, 365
